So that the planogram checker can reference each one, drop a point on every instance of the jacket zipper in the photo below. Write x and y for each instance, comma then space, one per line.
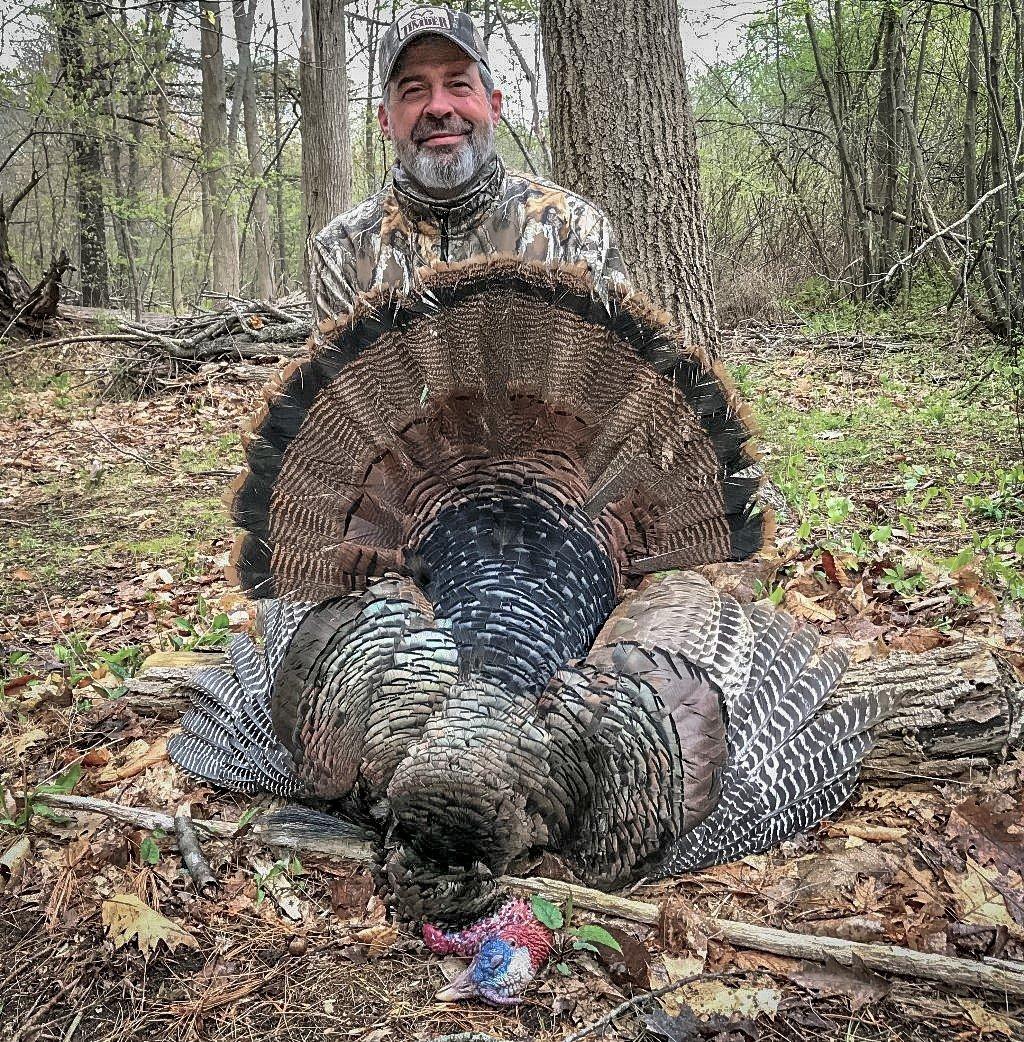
444, 239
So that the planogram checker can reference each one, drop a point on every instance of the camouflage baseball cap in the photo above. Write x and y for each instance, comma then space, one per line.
414, 22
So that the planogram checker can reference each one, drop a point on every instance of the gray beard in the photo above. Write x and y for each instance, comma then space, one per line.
447, 171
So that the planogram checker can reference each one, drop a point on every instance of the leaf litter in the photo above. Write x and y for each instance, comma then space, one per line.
113, 559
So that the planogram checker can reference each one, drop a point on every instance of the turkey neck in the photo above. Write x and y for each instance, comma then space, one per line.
523, 579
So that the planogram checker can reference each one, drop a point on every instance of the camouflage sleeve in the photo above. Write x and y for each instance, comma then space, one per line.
598, 246
332, 273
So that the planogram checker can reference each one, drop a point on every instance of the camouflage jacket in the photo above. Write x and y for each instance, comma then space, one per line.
383, 240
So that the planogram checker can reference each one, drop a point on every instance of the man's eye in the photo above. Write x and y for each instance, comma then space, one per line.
412, 91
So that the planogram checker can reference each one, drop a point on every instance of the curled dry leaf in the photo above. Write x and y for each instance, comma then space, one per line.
379, 939
129, 919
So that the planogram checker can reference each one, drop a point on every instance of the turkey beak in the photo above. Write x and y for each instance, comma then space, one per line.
462, 987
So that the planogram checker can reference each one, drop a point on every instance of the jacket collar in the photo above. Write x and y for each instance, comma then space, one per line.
464, 211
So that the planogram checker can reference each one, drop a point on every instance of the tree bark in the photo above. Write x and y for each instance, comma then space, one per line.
254, 149
323, 88
622, 134
220, 227
86, 154
958, 711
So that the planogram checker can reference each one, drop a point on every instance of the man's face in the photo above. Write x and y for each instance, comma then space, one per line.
439, 116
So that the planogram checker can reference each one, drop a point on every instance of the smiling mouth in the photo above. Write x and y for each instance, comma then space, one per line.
440, 140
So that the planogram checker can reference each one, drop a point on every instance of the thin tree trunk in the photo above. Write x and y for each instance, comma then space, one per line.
279, 222
221, 230
326, 144
254, 148
851, 175
86, 154
622, 133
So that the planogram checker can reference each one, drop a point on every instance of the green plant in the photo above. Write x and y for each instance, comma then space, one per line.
284, 868
583, 938
61, 785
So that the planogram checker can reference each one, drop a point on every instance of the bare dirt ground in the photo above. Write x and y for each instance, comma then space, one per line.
898, 461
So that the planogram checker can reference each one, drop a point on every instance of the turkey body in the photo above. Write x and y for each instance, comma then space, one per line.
447, 508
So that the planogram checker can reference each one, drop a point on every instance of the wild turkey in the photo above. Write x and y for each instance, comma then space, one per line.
444, 507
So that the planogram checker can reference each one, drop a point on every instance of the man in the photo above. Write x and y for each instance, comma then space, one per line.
448, 197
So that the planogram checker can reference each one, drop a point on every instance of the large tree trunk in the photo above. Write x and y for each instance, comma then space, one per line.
323, 87
86, 154
220, 228
622, 134
254, 149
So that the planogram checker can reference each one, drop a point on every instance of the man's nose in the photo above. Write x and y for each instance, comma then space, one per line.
440, 104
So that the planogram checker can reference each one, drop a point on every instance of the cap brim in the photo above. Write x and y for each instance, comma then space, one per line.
429, 30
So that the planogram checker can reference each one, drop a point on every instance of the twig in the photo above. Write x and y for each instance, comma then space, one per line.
191, 853
638, 1000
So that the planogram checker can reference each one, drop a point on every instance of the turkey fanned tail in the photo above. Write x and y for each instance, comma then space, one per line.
792, 760
227, 737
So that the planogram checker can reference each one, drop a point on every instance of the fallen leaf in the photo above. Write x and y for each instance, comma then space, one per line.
630, 966
709, 998
856, 982
27, 740
683, 1027
834, 569
968, 581
977, 900
153, 754
984, 832
804, 607
987, 1021
919, 639
23, 575
380, 939
127, 918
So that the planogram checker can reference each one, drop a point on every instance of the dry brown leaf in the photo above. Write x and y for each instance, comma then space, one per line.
856, 982
988, 1021
22, 574
987, 832
804, 607
380, 939
919, 639
127, 918
153, 754
977, 900
968, 581
708, 998
27, 740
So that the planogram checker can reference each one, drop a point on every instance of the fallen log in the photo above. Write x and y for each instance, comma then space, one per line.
960, 709
945, 970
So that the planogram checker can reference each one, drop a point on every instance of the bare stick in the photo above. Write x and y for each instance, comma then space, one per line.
191, 853
264, 828
957, 974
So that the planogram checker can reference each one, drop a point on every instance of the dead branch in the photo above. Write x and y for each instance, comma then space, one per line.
191, 852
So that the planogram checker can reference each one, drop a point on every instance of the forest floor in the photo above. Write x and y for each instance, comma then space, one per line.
898, 455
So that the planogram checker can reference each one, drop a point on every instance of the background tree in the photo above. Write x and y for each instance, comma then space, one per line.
622, 133
219, 225
79, 81
326, 137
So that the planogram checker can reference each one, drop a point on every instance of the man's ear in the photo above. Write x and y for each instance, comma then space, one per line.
382, 119
496, 99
